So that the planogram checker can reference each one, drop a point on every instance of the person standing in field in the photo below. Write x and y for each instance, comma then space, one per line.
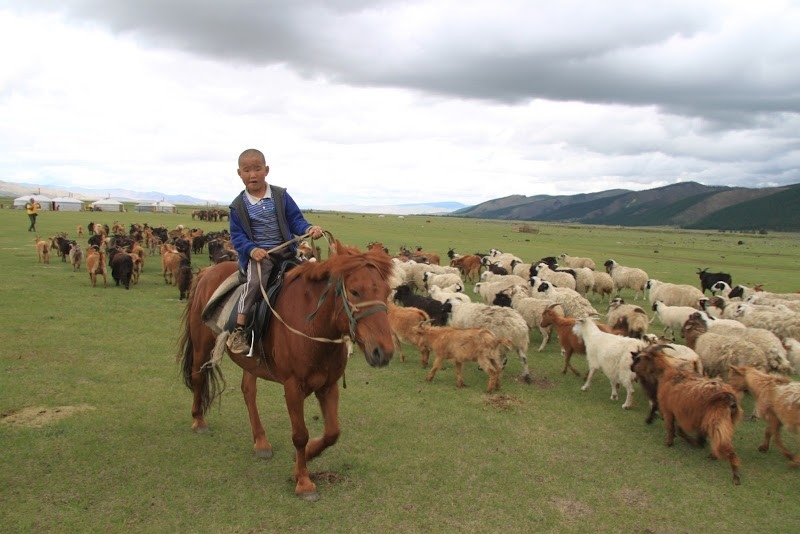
262, 217
32, 209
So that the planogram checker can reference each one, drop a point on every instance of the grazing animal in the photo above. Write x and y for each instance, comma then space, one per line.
435, 309
707, 279
627, 277
461, 345
402, 320
570, 343
611, 353
121, 267
96, 265
320, 305
185, 275
75, 256
777, 403
692, 404
42, 250
502, 322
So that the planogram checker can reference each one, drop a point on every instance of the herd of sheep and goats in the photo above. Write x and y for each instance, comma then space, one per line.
738, 340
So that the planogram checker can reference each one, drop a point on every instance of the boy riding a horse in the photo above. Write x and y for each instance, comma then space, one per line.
262, 217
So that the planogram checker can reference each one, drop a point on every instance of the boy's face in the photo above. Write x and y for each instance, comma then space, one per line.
253, 172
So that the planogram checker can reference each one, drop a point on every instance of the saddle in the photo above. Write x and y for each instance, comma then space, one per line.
220, 312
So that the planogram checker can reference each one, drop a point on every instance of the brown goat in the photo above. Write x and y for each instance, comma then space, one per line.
42, 250
170, 265
96, 265
469, 266
461, 345
402, 320
777, 403
692, 404
570, 343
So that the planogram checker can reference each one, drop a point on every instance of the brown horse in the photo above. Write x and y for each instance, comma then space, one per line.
321, 304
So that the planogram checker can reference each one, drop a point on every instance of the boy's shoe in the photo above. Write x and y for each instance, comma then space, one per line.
239, 341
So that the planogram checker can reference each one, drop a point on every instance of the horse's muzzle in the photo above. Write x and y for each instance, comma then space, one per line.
378, 357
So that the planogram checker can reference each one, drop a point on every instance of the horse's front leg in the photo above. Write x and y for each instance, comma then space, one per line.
329, 405
261, 445
295, 402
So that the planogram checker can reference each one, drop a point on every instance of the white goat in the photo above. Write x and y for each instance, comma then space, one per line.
611, 354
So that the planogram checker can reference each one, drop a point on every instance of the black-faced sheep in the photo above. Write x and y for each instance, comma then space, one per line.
627, 278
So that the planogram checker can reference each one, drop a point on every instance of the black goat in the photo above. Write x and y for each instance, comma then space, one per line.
435, 309
708, 279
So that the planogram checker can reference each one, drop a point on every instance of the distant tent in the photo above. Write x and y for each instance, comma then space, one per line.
67, 204
157, 207
44, 201
107, 204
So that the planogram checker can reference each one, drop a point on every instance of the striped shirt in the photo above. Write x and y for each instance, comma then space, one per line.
264, 222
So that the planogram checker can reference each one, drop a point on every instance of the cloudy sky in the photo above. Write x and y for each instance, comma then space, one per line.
371, 102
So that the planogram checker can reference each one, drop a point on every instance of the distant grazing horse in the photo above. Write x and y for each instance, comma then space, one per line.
319, 306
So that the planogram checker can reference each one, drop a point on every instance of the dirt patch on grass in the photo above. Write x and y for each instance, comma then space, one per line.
570, 509
633, 498
502, 402
538, 381
36, 417
328, 477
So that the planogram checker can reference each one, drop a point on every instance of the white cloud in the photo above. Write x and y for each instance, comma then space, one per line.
378, 103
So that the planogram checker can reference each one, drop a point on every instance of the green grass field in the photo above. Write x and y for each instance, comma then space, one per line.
96, 424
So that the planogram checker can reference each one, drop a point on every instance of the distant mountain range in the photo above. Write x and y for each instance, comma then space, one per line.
684, 205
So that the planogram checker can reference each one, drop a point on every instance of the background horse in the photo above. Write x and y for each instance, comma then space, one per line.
319, 306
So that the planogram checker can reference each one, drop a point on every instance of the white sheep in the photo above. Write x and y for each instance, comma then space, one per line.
773, 347
611, 354
520, 268
792, 347
781, 321
721, 287
503, 259
502, 322
584, 279
627, 278
672, 317
573, 303
775, 299
681, 352
557, 278
628, 317
443, 295
442, 280
531, 310
488, 290
603, 284
674, 294
488, 276
719, 351
577, 261
718, 307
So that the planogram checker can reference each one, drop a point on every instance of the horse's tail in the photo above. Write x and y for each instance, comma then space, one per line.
211, 382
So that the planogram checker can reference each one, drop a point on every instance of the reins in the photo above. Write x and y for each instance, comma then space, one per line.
353, 311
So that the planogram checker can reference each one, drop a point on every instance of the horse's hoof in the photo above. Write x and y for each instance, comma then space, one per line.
266, 454
527, 379
310, 496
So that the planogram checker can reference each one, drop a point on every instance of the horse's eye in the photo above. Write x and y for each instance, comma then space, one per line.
354, 293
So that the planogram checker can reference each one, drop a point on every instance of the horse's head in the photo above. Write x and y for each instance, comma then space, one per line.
365, 292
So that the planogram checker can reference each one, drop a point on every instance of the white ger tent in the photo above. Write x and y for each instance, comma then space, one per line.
107, 204
67, 204
44, 201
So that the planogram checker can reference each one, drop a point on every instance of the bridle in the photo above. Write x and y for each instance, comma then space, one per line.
354, 311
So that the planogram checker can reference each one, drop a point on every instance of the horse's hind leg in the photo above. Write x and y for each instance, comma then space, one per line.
261, 445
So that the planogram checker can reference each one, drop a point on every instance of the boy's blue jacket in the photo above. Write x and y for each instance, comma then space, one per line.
290, 221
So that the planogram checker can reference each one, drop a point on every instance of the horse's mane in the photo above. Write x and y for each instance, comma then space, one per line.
345, 259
